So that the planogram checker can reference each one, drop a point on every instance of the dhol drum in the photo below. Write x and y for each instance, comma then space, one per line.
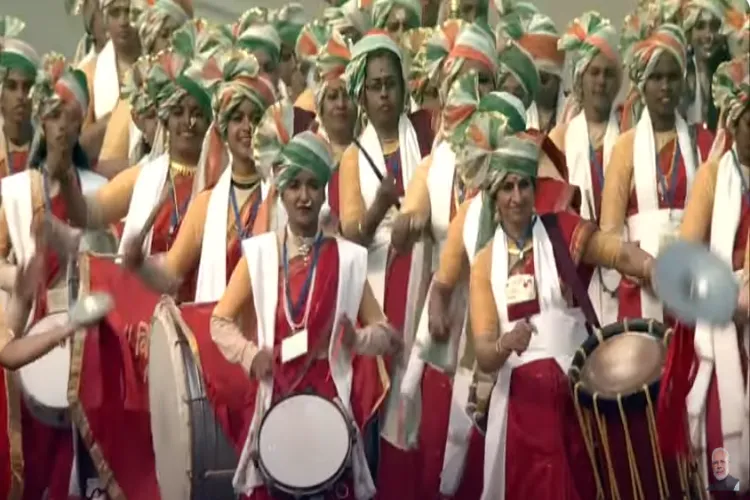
304, 447
615, 378
45, 381
194, 459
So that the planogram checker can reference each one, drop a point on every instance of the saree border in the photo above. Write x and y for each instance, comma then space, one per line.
14, 429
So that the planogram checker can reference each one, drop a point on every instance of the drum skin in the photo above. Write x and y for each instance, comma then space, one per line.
45, 381
304, 445
193, 457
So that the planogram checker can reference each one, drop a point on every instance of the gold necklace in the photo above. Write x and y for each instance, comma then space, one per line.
181, 168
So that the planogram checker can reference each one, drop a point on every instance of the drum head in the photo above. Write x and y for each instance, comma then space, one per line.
303, 442
45, 381
170, 413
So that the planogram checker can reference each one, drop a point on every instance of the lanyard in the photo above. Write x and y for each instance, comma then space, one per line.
669, 189
292, 306
177, 212
598, 167
395, 165
745, 187
521, 242
241, 229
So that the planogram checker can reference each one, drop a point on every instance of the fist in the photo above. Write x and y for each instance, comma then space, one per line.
518, 339
262, 364
133, 256
402, 237
388, 191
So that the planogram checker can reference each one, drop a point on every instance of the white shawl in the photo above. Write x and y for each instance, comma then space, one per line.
651, 223
716, 346
106, 83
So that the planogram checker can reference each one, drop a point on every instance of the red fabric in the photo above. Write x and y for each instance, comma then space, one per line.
17, 161
545, 449
422, 122
333, 193
113, 390
596, 184
5, 452
163, 233
553, 195
704, 139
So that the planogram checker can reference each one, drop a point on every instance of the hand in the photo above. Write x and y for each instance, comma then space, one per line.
58, 161
29, 278
63, 238
396, 343
133, 255
402, 235
517, 340
348, 332
439, 321
262, 364
387, 194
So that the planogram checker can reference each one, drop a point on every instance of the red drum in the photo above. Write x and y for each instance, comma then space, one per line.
615, 378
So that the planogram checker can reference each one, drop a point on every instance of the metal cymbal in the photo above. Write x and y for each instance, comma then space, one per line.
91, 308
695, 284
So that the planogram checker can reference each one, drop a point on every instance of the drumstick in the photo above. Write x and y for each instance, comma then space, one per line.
149, 223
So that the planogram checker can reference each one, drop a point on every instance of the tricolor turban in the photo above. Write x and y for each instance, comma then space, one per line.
586, 37
356, 70
176, 76
261, 37
273, 132
136, 88
349, 16
516, 8
731, 88
439, 45
330, 64
515, 61
152, 20
311, 39
538, 35
57, 82
306, 151
693, 10
288, 22
413, 47
233, 76
14, 53
252, 17
381, 9
666, 39
198, 38
737, 30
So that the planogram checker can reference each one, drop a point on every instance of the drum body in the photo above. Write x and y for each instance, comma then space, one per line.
44, 382
304, 446
194, 459
615, 379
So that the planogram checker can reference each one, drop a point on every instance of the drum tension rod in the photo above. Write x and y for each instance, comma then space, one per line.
218, 473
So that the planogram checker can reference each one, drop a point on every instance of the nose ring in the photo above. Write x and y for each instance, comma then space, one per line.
192, 122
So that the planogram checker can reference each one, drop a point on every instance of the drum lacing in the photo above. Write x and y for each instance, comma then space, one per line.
635, 477
95, 493
661, 473
601, 424
588, 440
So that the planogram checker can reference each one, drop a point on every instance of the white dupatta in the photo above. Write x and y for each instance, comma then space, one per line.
262, 255
559, 332
106, 81
651, 223
717, 347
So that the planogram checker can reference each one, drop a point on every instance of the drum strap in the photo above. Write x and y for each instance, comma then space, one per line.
567, 269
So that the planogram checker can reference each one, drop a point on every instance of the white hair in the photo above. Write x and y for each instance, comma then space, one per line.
720, 449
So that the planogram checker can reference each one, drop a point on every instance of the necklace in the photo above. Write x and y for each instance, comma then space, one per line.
522, 242
181, 168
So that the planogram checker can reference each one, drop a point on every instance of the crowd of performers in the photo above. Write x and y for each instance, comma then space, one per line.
397, 180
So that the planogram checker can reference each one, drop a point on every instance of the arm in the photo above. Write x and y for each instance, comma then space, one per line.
225, 331
485, 324
375, 337
7, 270
18, 352
608, 250
453, 258
696, 220
417, 199
165, 274
617, 184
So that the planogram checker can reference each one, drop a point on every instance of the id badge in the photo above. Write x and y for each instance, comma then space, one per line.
293, 347
520, 288
669, 234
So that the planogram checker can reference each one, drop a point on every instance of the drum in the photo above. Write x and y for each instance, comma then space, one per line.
194, 459
304, 446
615, 378
44, 382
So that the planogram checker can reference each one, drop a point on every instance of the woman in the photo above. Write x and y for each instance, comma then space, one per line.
312, 38
59, 103
651, 202
288, 22
153, 195
218, 219
718, 214
396, 16
338, 296
155, 26
588, 137
517, 307
372, 177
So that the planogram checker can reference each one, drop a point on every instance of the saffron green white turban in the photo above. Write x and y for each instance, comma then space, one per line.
58, 82
261, 37
737, 30
306, 151
413, 47
288, 22
311, 39
356, 70
233, 76
349, 16
330, 65
515, 61
135, 87
666, 39
252, 17
731, 88
10, 27
516, 8
150, 21
176, 76
198, 38
381, 9
271, 135
16, 54
537, 35
693, 10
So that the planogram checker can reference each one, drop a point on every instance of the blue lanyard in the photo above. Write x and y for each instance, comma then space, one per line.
241, 230
669, 190
177, 213
745, 187
521, 242
395, 165
598, 167
292, 306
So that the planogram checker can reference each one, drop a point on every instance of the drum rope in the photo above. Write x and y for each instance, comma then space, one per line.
588, 440
635, 477
661, 473
602, 426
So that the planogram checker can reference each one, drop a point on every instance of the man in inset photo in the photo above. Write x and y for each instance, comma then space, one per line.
720, 466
